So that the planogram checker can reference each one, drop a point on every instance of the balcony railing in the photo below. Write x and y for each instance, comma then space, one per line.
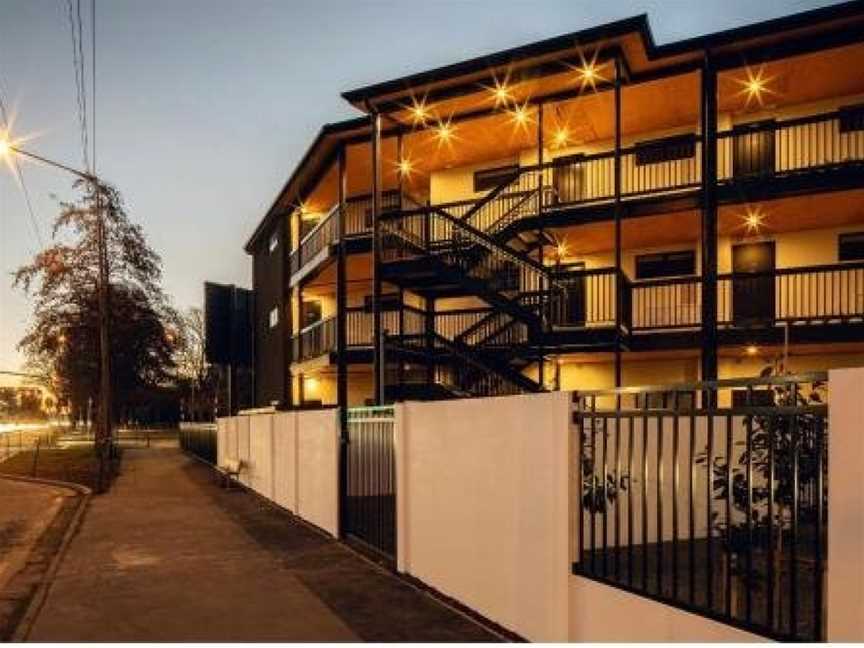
785, 147
321, 236
815, 294
809, 295
314, 340
358, 221
771, 148
587, 298
320, 338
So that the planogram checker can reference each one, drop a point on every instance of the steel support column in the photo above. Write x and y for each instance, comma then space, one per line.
342, 340
540, 232
709, 220
378, 340
341, 297
619, 283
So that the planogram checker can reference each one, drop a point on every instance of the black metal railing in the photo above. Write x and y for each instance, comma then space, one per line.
811, 294
709, 496
586, 298
666, 303
360, 324
431, 232
318, 238
199, 441
784, 147
450, 324
314, 340
751, 150
358, 211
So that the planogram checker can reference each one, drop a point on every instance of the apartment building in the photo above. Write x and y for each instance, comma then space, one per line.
588, 211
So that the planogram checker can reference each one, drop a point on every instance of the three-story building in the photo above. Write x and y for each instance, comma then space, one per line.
587, 211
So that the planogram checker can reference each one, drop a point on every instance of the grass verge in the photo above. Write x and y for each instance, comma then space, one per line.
75, 465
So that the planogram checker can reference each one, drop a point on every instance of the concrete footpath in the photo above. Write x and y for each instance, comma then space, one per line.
168, 555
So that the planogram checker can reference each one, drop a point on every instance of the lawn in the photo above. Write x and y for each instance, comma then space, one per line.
78, 465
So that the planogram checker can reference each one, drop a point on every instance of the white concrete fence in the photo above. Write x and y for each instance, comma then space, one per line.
291, 458
485, 511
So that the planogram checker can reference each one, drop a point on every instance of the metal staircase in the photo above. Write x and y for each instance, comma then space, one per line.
428, 249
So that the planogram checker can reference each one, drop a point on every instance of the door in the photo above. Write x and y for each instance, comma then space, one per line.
571, 309
753, 149
753, 284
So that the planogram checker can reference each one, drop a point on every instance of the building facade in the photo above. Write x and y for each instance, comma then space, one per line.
588, 211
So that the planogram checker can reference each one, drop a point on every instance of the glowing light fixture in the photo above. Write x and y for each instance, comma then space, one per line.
521, 116
501, 93
752, 350
754, 220
405, 167
4, 145
561, 138
420, 114
588, 72
445, 132
755, 86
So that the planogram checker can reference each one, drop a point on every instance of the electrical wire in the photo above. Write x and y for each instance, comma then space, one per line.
75, 28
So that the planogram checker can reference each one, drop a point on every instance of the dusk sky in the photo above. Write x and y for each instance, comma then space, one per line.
205, 106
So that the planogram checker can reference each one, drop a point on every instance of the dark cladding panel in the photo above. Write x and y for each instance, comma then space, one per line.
217, 323
228, 314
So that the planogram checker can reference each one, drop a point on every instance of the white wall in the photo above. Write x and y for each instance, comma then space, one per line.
291, 458
285, 460
602, 613
845, 601
483, 514
318, 468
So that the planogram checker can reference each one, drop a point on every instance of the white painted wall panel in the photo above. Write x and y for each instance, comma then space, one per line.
285, 460
318, 468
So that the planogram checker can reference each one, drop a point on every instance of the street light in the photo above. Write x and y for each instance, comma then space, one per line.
8, 148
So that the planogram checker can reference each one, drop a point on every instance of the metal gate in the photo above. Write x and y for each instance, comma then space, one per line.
369, 483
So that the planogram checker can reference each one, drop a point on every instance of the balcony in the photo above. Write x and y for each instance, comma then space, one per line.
805, 296
315, 246
319, 338
672, 167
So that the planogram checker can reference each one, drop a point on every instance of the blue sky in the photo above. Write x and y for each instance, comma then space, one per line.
204, 106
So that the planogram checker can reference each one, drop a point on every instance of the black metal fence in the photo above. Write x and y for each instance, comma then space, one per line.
369, 491
199, 441
709, 496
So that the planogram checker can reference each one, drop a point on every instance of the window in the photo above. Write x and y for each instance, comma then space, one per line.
487, 179
274, 317
851, 118
666, 264
851, 247
667, 149
274, 241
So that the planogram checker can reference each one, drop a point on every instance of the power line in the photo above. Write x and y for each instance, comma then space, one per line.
93, 79
75, 28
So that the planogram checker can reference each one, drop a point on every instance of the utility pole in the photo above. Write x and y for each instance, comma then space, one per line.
103, 436
103, 445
